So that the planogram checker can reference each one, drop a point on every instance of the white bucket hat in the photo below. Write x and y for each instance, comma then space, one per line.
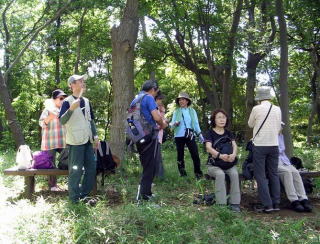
263, 93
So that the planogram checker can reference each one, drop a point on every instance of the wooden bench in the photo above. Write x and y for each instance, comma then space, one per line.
29, 177
305, 174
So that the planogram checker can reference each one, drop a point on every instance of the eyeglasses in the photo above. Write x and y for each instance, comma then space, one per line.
61, 98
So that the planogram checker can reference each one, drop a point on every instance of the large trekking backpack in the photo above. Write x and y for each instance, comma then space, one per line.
138, 130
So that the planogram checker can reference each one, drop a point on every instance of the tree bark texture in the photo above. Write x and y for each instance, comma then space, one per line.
226, 87
11, 116
123, 39
283, 78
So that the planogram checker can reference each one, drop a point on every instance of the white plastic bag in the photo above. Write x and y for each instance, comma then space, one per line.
24, 157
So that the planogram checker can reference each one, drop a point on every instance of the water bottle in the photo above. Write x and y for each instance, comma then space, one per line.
133, 127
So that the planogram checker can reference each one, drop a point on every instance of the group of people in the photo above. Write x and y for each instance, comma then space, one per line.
68, 121
269, 159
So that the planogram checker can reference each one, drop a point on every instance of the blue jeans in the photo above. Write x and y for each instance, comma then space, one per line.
81, 157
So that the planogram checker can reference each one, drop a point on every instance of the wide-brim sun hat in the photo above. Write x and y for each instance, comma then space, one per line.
185, 96
263, 93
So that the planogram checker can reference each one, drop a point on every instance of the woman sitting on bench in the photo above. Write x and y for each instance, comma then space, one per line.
222, 149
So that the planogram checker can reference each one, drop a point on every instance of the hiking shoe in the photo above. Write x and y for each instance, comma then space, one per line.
56, 188
306, 205
182, 172
296, 206
276, 207
89, 201
147, 197
199, 175
235, 208
268, 209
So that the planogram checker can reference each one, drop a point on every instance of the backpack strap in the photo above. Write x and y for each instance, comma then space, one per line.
219, 139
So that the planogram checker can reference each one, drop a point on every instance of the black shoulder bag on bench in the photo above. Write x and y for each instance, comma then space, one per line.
249, 146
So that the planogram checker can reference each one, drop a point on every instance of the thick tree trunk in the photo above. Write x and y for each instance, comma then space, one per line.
251, 84
123, 39
283, 79
226, 87
10, 113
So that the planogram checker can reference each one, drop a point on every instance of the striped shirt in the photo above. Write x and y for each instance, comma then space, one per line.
53, 133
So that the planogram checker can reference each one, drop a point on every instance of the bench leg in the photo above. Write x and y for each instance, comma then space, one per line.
29, 183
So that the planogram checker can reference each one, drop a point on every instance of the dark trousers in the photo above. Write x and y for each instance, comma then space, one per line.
193, 149
81, 157
265, 161
159, 167
52, 179
148, 159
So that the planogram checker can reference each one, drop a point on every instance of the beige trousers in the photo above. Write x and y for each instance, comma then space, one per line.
292, 182
220, 184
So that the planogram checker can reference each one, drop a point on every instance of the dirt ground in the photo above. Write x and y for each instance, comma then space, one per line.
250, 199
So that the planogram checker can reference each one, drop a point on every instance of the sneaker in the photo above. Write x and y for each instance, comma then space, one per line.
89, 201
182, 172
306, 205
296, 206
56, 188
268, 209
199, 176
235, 208
147, 197
276, 207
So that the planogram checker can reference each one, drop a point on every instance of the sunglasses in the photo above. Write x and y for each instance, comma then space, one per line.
61, 98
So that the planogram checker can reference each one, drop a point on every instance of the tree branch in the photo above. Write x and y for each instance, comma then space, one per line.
16, 60
36, 23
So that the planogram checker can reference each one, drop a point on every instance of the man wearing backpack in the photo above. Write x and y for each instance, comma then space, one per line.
148, 149
81, 135
265, 119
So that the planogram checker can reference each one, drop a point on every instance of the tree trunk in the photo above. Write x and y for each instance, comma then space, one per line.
123, 39
58, 49
226, 87
80, 32
283, 79
10, 113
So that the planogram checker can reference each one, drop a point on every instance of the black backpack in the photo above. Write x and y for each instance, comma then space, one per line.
106, 162
224, 146
63, 159
247, 166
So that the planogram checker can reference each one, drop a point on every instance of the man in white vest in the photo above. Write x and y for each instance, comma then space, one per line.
81, 136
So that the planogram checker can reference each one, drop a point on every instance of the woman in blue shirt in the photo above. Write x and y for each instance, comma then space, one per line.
186, 127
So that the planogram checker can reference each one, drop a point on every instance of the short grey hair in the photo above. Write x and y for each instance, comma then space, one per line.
149, 84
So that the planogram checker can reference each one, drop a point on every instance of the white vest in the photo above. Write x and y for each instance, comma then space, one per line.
78, 127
